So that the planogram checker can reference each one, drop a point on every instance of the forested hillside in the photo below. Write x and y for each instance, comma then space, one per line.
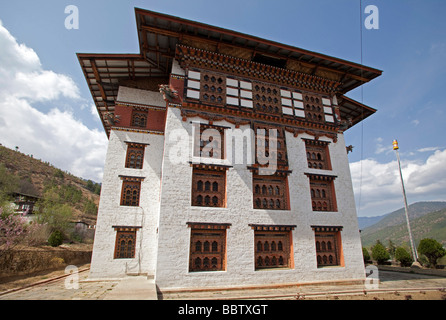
427, 220
39, 178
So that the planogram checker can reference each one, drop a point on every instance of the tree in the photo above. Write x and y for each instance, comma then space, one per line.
365, 255
403, 257
90, 207
12, 229
432, 249
8, 184
379, 253
56, 238
53, 212
391, 248
94, 187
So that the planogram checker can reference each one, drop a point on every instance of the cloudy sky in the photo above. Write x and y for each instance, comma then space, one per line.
46, 108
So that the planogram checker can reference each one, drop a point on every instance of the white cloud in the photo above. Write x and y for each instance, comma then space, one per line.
380, 148
429, 149
381, 190
56, 136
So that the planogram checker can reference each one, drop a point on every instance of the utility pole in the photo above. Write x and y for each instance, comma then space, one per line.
412, 244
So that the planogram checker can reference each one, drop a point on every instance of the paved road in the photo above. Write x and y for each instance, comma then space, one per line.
64, 289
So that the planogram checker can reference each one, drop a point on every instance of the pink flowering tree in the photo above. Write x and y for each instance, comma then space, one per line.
13, 228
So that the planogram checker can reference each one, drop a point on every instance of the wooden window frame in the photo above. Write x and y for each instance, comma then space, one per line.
318, 156
207, 250
266, 98
328, 245
273, 247
199, 144
322, 193
263, 142
270, 190
125, 234
137, 115
314, 108
132, 184
208, 186
134, 148
212, 88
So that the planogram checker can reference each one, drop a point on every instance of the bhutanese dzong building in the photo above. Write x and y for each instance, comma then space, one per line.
226, 163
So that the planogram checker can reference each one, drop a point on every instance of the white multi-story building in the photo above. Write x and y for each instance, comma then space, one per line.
226, 163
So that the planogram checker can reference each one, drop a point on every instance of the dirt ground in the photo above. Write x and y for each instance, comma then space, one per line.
13, 282
393, 286
396, 295
56, 266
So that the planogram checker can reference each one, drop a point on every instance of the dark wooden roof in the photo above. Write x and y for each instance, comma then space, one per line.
160, 33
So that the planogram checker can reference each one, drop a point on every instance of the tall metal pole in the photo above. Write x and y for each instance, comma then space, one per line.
412, 244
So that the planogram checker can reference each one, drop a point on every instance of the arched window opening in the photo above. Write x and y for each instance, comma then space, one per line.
198, 246
259, 246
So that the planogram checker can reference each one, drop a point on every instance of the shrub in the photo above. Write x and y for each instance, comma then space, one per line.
59, 174
55, 239
432, 249
365, 255
52, 212
37, 234
403, 257
379, 253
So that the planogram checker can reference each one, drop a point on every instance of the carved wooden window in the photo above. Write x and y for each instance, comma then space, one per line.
131, 187
270, 192
272, 246
266, 98
322, 192
207, 247
213, 88
317, 154
314, 109
139, 118
209, 141
328, 246
208, 187
270, 145
135, 155
125, 242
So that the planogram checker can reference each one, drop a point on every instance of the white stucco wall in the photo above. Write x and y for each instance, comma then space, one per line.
174, 235
111, 213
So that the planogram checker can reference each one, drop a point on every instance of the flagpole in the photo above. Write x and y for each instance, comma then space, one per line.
412, 245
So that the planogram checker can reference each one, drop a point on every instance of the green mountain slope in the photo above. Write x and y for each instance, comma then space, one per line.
427, 220
35, 176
